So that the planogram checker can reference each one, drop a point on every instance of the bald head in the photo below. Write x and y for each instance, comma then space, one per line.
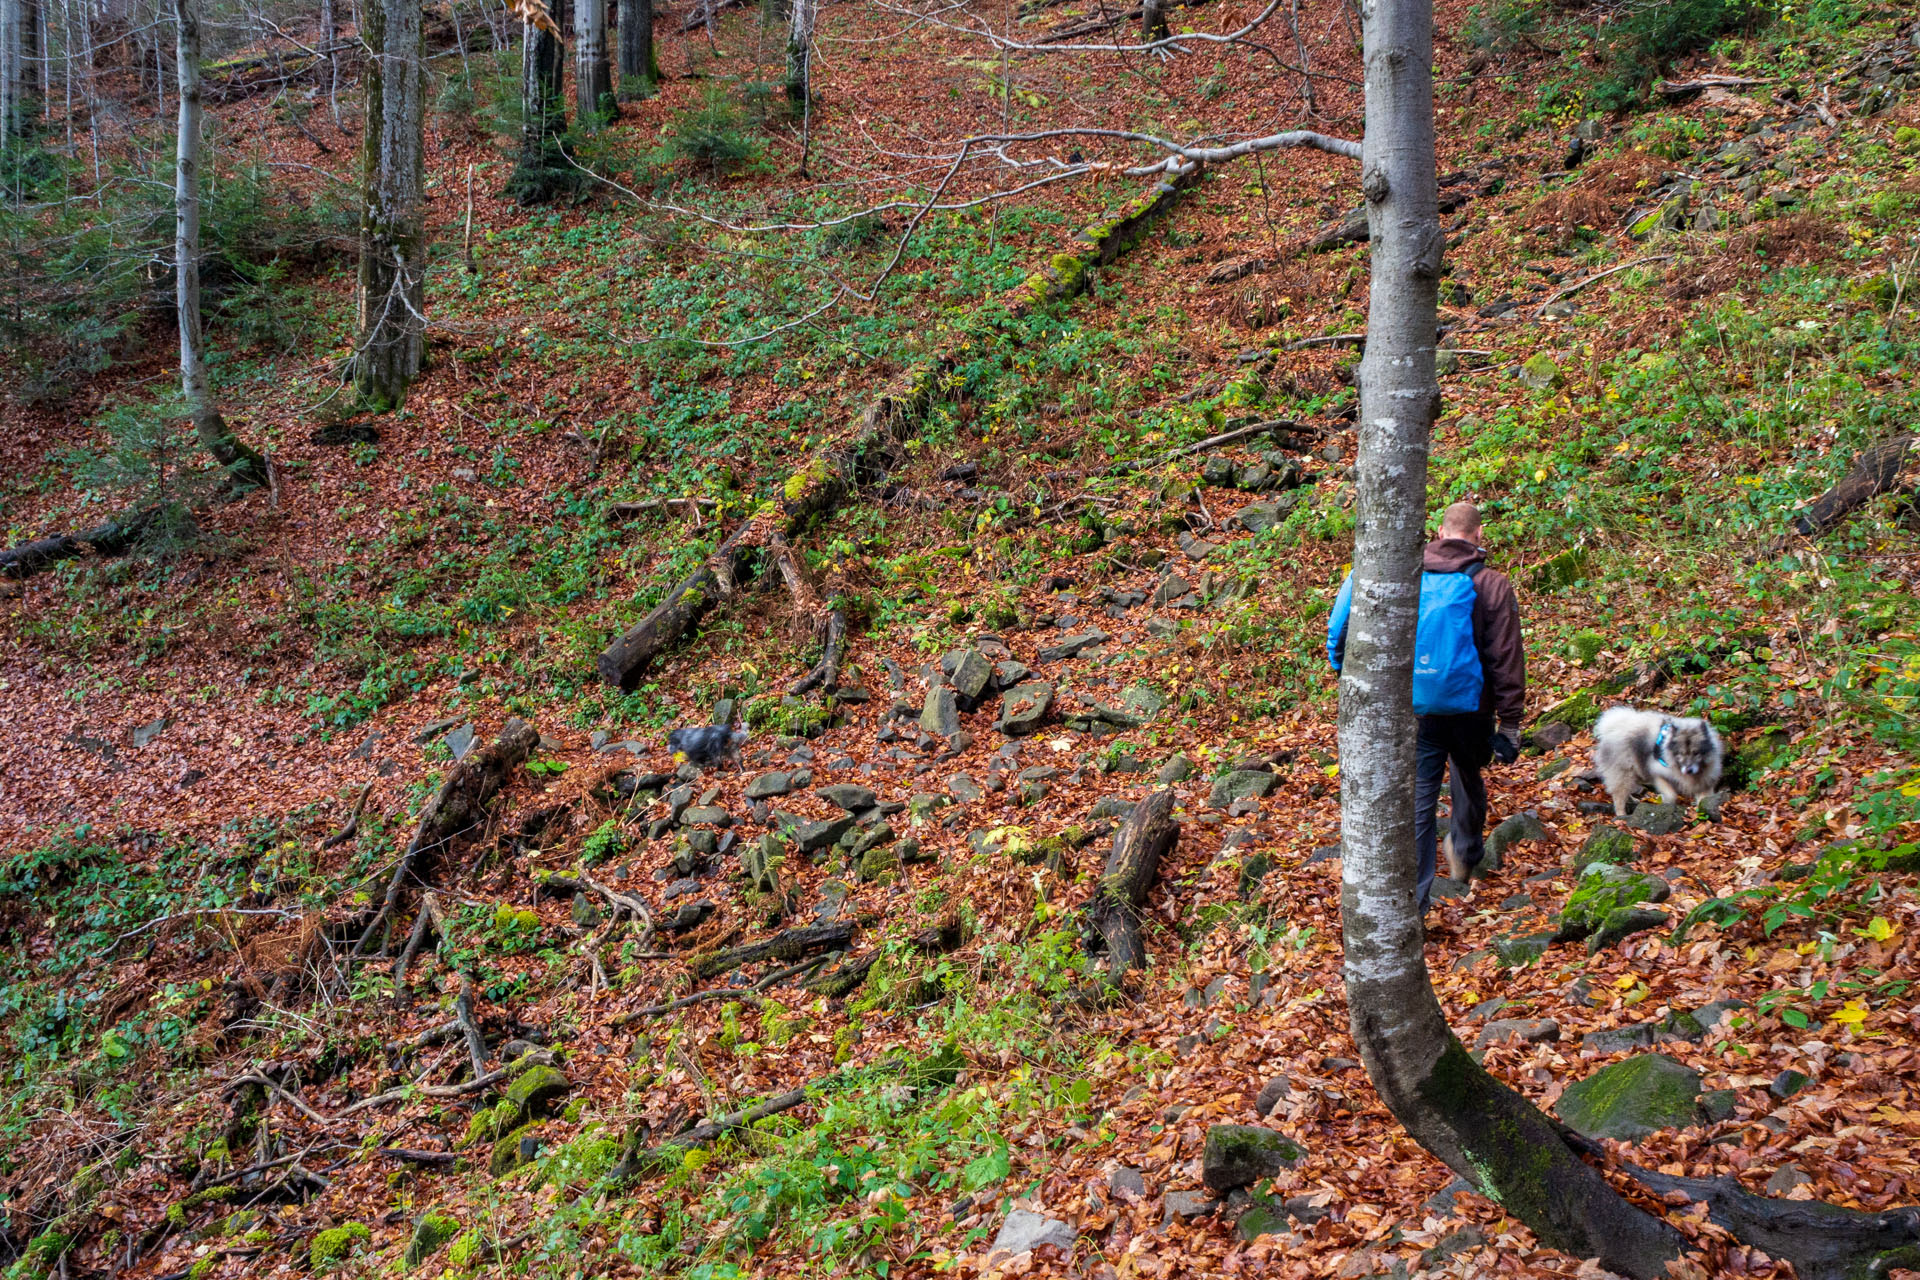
1461, 520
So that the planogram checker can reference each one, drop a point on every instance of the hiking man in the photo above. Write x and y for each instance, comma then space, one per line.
1469, 685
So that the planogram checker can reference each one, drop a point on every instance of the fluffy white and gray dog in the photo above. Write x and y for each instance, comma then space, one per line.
1677, 756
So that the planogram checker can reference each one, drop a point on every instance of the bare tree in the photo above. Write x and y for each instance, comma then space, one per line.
542, 170
592, 71
639, 64
245, 465
393, 238
800, 17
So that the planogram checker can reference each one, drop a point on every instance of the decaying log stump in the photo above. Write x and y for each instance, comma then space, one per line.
788, 945
1875, 471
1142, 841
456, 808
110, 539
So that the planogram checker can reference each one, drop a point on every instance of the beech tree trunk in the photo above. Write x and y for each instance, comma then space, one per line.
800, 54
393, 238
242, 463
1480, 1128
1153, 21
592, 72
639, 65
541, 171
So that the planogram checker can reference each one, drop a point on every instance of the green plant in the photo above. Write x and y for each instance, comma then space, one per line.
712, 134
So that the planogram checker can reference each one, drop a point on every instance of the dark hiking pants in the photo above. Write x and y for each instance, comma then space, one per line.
1465, 742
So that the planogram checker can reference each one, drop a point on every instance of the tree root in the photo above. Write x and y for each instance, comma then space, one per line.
456, 808
724, 993
352, 828
636, 1159
1822, 1241
432, 918
470, 1026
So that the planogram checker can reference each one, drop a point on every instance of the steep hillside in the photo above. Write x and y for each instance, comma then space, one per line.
357, 924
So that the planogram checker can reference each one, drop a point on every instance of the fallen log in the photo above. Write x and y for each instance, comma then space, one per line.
113, 538
819, 486
456, 808
790, 944
1142, 841
1876, 470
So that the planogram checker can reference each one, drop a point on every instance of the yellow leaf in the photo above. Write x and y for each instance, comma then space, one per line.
1624, 981
1852, 1015
1879, 929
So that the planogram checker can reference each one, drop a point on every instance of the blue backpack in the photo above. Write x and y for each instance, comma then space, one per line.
1447, 678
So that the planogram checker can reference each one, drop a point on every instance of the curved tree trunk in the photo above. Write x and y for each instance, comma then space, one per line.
393, 236
592, 73
1483, 1130
242, 463
639, 65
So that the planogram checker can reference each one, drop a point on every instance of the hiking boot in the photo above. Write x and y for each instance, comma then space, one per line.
1457, 869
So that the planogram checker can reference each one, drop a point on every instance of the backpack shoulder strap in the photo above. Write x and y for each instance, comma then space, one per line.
1473, 570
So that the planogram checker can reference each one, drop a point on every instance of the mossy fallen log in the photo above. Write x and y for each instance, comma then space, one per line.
863, 453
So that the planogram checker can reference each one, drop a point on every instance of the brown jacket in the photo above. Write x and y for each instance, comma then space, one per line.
1496, 627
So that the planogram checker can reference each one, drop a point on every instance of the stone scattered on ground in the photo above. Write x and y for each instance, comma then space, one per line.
1516, 829
941, 712
849, 797
1660, 819
1528, 1030
1025, 1231
1189, 1204
1607, 843
769, 785
460, 741
1240, 785
1237, 1155
965, 789
1177, 769
1633, 1099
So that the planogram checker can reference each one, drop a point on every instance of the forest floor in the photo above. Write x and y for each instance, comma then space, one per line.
1662, 352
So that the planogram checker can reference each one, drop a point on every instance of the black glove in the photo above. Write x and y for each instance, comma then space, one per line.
1506, 744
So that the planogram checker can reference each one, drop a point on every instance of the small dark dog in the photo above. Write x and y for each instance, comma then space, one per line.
1679, 757
708, 744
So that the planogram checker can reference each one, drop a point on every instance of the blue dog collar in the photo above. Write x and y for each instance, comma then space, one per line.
1660, 742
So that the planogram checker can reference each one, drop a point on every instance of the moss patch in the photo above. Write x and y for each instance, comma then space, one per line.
331, 1247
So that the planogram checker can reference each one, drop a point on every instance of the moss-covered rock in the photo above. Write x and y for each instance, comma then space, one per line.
1238, 1155
536, 1090
468, 1249
1576, 711
1520, 950
1607, 843
516, 1149
1632, 1099
429, 1233
335, 1245
1602, 900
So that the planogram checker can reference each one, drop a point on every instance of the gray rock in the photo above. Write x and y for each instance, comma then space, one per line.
707, 815
1529, 1030
969, 672
1162, 628
1217, 471
679, 889
585, 914
1271, 1094
1788, 1083
965, 789
1072, 646
1024, 1232
1632, 1099
941, 714
1548, 736
768, 785
1540, 372
1116, 808
1143, 700
810, 837
1257, 517
1189, 1204
1024, 708
460, 741
1177, 769
1171, 588
1010, 672
1239, 785
1325, 853
847, 796
1238, 1155
1786, 1178
1521, 826
703, 842
148, 732
1660, 819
